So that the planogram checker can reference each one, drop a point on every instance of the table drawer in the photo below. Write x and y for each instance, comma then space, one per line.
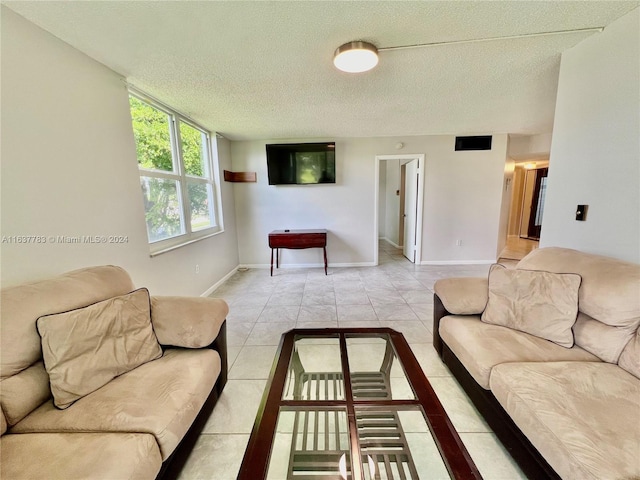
298, 240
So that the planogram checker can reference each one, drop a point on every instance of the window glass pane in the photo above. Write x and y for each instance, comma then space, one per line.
151, 128
163, 208
194, 151
201, 203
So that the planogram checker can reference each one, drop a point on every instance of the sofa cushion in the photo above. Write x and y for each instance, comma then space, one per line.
24, 304
161, 397
25, 392
107, 456
19, 340
462, 295
609, 289
582, 417
630, 357
85, 348
602, 340
481, 346
3, 423
191, 322
540, 303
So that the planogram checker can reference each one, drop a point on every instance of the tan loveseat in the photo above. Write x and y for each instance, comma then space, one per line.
145, 418
572, 413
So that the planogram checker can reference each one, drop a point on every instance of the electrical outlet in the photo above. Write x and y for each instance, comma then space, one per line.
459, 243
197, 268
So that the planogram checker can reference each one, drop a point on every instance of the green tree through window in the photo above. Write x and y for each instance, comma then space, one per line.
175, 173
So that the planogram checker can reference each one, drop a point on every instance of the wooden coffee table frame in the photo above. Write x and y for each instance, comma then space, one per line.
256, 459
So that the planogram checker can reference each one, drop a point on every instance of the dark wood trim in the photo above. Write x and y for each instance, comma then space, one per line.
256, 458
244, 177
439, 311
173, 465
530, 461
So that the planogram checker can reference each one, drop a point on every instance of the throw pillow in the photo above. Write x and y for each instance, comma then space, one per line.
539, 303
86, 348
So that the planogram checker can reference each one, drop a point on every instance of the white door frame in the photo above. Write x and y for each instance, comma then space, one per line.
381, 158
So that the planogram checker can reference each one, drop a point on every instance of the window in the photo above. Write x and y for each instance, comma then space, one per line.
179, 189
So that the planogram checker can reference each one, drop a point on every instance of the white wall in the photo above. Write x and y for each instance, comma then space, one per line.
529, 146
69, 168
595, 155
463, 193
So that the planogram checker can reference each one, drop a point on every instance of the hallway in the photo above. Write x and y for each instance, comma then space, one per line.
517, 248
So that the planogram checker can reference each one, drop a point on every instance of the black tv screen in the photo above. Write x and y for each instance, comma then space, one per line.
301, 163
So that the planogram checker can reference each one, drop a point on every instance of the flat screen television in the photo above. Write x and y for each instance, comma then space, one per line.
301, 163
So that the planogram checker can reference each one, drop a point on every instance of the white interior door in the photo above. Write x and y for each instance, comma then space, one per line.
410, 209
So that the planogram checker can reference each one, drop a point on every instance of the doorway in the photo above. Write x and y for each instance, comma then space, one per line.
398, 207
535, 187
527, 208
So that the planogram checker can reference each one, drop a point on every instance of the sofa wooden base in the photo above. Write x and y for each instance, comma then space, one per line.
530, 461
173, 465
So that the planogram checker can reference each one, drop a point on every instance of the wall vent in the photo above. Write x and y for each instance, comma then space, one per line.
482, 142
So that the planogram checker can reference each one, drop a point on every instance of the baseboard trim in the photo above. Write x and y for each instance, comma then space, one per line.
389, 242
458, 262
213, 288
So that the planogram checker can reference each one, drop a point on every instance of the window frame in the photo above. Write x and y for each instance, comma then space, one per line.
211, 177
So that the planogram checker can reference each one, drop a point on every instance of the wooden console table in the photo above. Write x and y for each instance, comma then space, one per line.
297, 239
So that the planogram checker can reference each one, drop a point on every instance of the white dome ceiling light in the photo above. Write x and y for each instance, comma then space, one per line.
356, 57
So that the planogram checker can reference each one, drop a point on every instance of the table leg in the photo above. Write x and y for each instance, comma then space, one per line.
272, 262
277, 258
324, 249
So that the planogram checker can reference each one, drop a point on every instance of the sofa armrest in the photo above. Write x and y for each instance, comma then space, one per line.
463, 296
190, 322
457, 296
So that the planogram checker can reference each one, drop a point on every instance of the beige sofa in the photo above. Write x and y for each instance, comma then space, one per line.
571, 413
143, 418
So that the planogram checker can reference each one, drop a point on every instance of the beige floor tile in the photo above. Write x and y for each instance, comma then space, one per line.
413, 331
237, 406
395, 312
253, 362
243, 314
356, 313
232, 354
322, 324
279, 313
237, 333
215, 457
429, 360
269, 333
317, 313
463, 414
491, 458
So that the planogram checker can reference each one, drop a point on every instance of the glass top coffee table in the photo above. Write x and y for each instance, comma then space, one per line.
351, 403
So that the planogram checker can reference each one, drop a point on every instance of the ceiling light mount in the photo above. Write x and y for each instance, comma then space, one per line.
356, 57
359, 56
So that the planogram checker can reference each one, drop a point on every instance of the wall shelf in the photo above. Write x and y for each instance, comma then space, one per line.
240, 176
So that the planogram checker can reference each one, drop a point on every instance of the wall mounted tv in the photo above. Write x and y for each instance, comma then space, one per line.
301, 163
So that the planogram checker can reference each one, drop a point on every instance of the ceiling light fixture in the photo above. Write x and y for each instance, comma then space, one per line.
356, 57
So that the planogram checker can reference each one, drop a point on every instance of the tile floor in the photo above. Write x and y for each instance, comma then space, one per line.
395, 294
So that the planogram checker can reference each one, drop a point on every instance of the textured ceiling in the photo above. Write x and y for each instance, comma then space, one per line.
263, 70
